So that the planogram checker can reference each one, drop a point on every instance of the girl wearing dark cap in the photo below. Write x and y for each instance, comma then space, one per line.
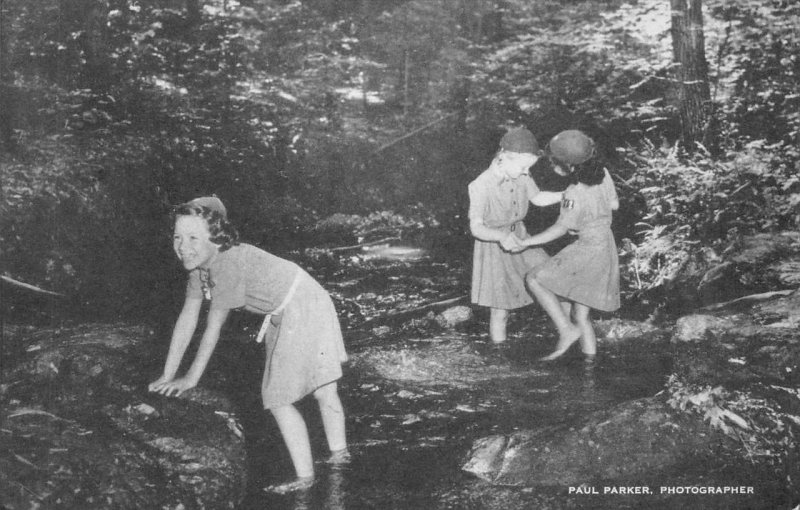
586, 272
498, 202
300, 330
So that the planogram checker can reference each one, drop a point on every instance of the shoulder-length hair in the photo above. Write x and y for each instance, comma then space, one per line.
591, 172
222, 231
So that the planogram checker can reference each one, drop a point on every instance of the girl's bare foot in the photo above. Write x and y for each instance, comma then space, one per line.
565, 341
300, 484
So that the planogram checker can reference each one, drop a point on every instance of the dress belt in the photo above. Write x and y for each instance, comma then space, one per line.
268, 318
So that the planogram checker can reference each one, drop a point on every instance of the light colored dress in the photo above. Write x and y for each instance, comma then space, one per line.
498, 277
306, 349
586, 271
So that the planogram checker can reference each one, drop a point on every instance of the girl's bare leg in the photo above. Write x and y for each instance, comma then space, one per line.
568, 333
295, 435
567, 307
332, 412
498, 320
588, 338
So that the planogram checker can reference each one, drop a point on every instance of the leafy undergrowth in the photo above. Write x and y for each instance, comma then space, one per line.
764, 431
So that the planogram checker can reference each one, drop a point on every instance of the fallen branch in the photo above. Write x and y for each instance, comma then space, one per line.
29, 491
412, 133
363, 245
405, 314
28, 286
39, 412
752, 298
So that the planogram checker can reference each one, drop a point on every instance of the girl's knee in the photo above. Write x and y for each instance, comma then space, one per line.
327, 392
581, 312
282, 411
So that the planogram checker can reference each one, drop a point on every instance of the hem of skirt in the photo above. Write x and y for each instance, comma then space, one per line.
502, 307
282, 403
599, 308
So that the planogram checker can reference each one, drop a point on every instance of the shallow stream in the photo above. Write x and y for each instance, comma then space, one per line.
417, 397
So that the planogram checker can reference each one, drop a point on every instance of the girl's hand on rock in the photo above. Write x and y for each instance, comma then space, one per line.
171, 388
158, 383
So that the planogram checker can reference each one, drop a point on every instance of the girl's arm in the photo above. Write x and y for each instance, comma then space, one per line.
508, 241
181, 336
545, 198
214, 322
551, 234
611, 191
480, 231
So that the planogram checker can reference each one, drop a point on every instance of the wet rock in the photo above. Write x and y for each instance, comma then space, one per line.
381, 331
721, 282
749, 265
754, 341
758, 353
454, 316
101, 441
485, 460
617, 331
631, 440
697, 327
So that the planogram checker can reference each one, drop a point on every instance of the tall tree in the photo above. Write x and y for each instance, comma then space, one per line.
6, 86
691, 71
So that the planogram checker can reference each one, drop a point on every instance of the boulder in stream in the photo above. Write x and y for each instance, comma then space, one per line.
453, 316
628, 441
80, 430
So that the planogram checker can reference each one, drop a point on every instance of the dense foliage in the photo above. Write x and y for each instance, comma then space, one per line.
291, 111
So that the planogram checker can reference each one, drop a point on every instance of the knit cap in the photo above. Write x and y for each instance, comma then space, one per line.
519, 140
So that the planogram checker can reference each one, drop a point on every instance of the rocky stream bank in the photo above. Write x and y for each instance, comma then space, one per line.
438, 418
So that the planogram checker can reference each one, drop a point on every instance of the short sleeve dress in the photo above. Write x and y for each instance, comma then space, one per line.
308, 349
586, 271
498, 277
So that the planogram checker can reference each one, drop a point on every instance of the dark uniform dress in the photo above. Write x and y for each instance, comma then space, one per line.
498, 277
586, 271
307, 349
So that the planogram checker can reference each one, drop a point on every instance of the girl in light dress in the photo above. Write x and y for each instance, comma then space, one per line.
301, 332
498, 202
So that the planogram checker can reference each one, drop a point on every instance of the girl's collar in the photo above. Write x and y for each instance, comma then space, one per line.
501, 176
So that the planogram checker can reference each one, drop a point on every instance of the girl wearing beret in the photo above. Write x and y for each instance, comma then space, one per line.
586, 272
498, 202
303, 340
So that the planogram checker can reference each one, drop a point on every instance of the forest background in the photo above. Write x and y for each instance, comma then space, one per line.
316, 120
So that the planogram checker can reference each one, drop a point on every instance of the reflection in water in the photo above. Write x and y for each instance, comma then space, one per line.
328, 492
589, 381
388, 252
336, 487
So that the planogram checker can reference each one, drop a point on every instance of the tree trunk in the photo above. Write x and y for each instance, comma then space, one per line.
193, 13
95, 44
406, 79
688, 47
6, 86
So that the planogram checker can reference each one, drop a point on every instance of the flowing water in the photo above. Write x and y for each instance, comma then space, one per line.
417, 397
